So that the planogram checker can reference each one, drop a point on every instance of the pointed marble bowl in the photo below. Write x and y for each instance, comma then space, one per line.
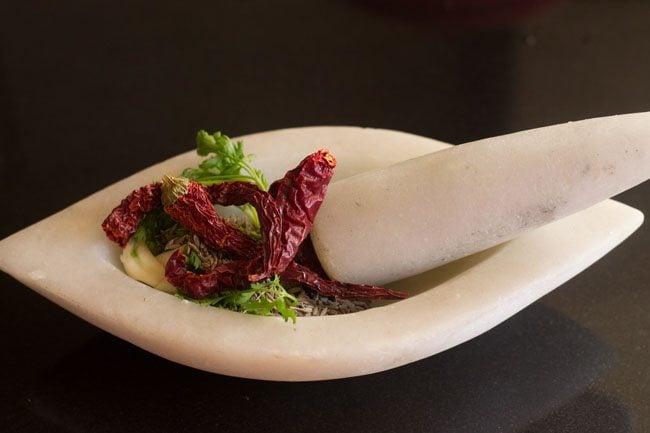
67, 259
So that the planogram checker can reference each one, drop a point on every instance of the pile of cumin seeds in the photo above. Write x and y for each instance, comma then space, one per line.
312, 304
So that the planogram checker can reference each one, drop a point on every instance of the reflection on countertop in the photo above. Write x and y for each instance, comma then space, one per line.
511, 379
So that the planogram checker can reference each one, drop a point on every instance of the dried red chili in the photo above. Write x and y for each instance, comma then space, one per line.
299, 195
124, 219
239, 193
235, 275
286, 217
306, 256
300, 274
189, 205
227, 276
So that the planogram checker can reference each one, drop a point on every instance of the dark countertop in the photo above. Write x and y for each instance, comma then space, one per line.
92, 92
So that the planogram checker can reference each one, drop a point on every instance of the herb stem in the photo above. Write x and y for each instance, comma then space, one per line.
255, 175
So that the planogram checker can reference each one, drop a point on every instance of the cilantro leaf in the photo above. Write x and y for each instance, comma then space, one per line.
193, 261
264, 298
227, 162
156, 229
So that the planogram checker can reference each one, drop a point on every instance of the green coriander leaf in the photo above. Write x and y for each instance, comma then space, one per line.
264, 298
193, 261
225, 159
156, 229
205, 143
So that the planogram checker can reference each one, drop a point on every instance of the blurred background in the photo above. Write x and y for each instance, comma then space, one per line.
91, 92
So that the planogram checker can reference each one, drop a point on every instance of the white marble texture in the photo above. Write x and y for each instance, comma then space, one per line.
67, 258
431, 210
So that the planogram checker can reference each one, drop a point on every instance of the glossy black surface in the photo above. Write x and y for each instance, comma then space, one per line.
94, 91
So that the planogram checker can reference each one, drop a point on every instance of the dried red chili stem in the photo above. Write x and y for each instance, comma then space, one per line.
124, 219
299, 195
189, 205
300, 274
239, 193
227, 276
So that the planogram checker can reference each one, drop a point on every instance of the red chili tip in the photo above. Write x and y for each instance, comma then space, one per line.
328, 157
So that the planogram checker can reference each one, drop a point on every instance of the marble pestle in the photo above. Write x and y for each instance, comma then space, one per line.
391, 223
